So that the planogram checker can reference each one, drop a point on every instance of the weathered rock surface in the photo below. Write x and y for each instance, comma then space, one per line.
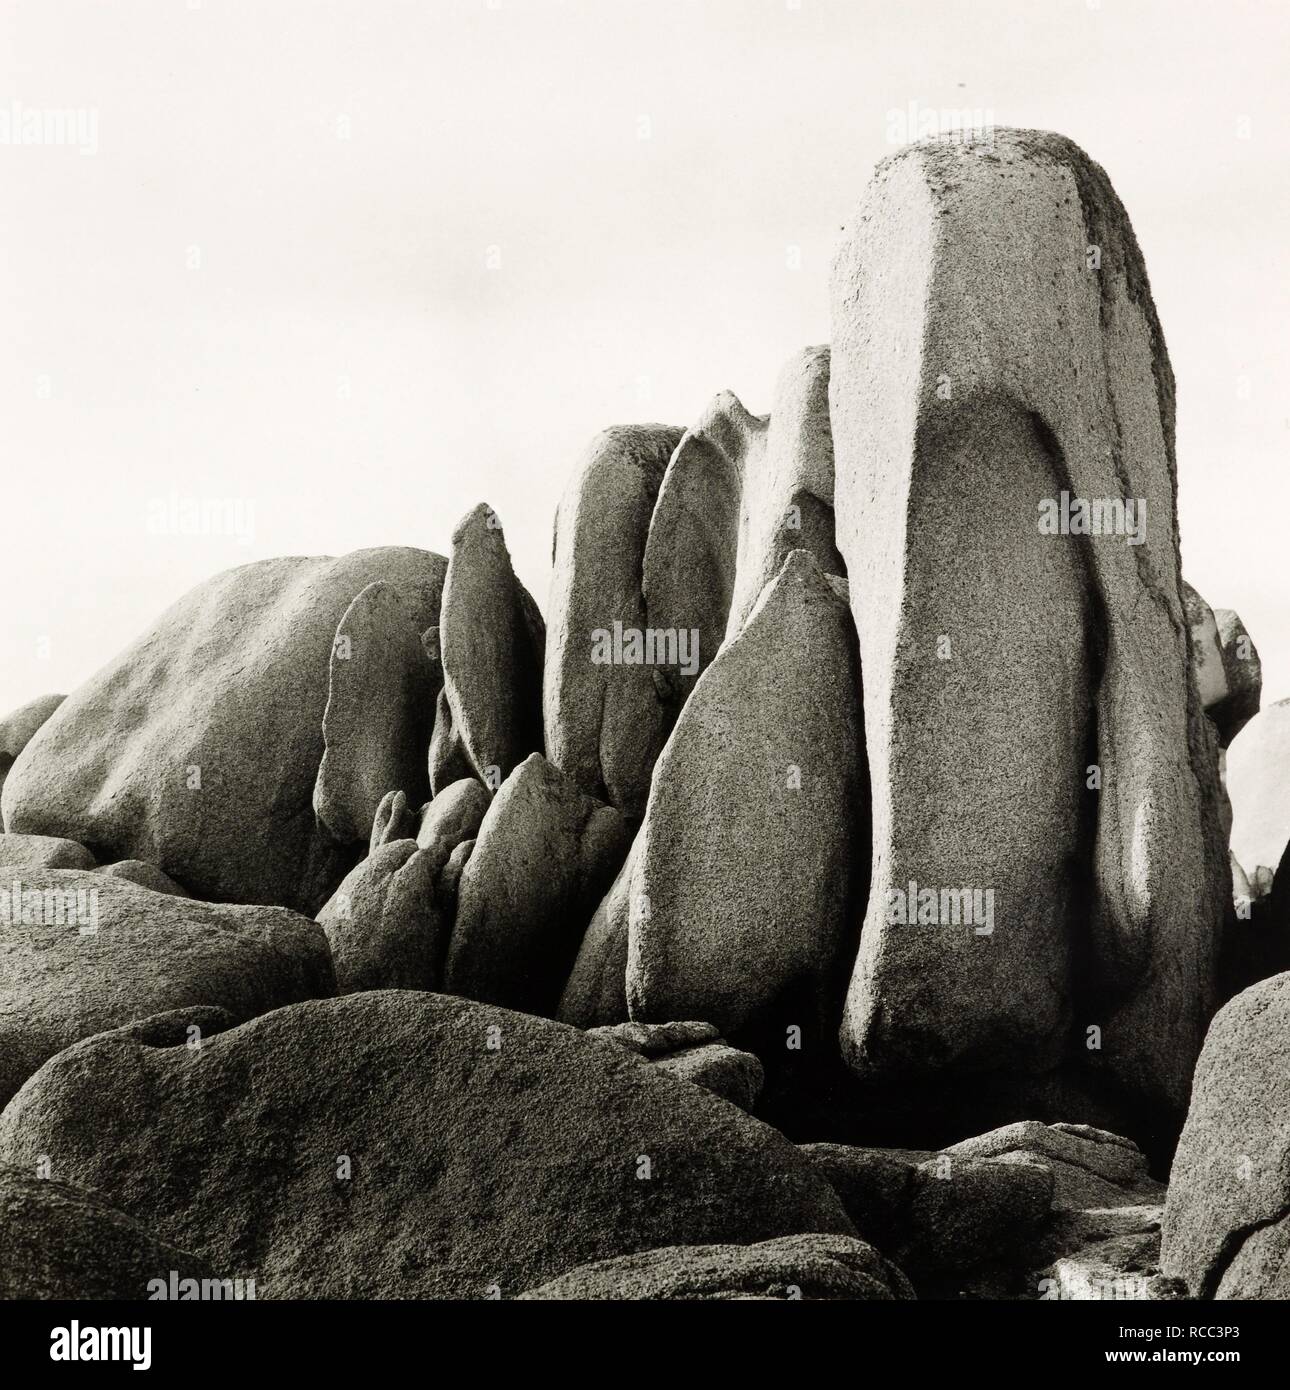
1259, 789
101, 952
455, 814
543, 859
381, 694
197, 748
399, 1144
740, 494
385, 923
145, 875
1227, 1216
692, 1052
1229, 674
1092, 1168
18, 727
65, 1242
394, 820
43, 852
1002, 662
491, 640
938, 1214
605, 723
743, 869
1244, 673
808, 1267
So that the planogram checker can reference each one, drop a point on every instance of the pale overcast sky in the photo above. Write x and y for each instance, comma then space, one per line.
358, 266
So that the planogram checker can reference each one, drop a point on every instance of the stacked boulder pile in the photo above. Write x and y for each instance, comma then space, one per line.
828, 899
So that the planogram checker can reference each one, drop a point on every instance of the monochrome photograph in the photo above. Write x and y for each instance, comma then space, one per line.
646, 660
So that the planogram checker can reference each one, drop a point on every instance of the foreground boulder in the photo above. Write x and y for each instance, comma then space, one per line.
605, 722
17, 729
83, 952
967, 424
399, 1144
65, 1242
794, 1267
197, 748
1227, 1216
740, 906
544, 857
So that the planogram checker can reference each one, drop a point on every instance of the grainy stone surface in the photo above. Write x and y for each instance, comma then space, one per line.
1000, 662
197, 747
486, 1148
125, 952
807, 1267
1227, 1215
543, 858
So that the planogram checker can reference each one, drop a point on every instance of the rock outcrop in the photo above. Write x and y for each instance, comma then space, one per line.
83, 952
399, 1144
197, 748
1005, 496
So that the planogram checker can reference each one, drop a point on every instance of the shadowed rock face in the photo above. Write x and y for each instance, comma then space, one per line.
995, 345
486, 1148
197, 748
1226, 1228
105, 952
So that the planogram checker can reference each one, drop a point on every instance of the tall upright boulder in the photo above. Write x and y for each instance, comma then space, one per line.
1032, 725
491, 639
742, 900
197, 748
605, 722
